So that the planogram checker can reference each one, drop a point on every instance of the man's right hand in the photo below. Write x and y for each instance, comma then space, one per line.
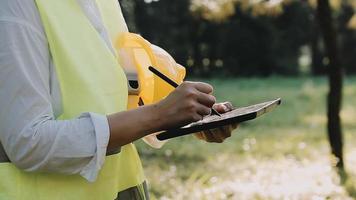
187, 103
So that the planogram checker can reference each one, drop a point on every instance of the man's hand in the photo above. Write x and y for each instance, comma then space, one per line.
218, 135
189, 102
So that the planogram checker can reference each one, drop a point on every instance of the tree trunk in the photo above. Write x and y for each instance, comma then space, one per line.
317, 68
335, 74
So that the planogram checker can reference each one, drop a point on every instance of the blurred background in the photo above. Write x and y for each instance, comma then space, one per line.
303, 51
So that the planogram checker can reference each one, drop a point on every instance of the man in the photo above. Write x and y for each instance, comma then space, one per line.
57, 62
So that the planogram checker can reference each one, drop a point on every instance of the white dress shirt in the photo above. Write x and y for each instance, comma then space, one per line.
30, 99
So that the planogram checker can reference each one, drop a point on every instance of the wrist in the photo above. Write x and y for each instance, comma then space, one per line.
157, 118
128, 126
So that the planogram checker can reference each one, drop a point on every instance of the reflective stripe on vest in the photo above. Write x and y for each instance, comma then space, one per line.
91, 80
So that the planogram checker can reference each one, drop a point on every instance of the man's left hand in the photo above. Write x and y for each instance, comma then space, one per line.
218, 135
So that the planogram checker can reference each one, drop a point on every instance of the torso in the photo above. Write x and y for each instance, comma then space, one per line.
26, 13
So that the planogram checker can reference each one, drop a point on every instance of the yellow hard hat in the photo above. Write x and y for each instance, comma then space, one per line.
135, 55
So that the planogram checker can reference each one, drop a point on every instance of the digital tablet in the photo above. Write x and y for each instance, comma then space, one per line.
213, 121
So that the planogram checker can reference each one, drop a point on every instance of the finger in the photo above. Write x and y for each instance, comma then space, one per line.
229, 106
196, 117
208, 136
203, 110
219, 134
203, 136
199, 135
206, 99
223, 107
235, 126
212, 137
219, 107
225, 131
215, 131
203, 87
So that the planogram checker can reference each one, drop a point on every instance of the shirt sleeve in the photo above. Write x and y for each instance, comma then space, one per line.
29, 133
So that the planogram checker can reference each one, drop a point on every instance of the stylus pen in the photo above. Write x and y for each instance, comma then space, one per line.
174, 84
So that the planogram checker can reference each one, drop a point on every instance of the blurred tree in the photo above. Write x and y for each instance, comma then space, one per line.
240, 37
318, 66
262, 38
347, 37
225, 36
335, 73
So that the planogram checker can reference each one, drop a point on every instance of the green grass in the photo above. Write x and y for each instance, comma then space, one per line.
281, 155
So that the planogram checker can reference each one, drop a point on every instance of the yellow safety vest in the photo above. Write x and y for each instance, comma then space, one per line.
91, 80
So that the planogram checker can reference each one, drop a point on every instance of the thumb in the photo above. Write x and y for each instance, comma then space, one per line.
221, 108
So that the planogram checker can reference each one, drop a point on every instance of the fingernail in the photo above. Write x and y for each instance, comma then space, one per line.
226, 109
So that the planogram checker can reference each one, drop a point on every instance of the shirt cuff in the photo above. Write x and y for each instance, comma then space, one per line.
102, 135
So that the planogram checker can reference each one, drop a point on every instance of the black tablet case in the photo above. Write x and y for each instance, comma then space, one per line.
213, 121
